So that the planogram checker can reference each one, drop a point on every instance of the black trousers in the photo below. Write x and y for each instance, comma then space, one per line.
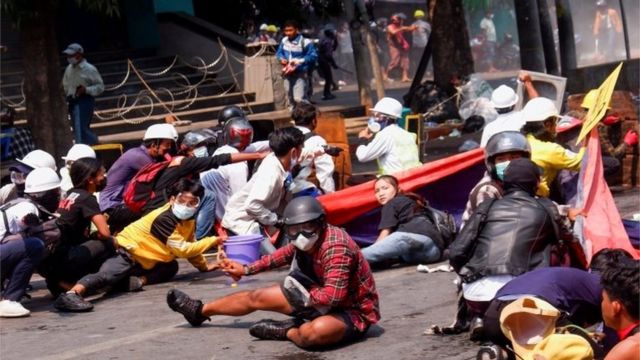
327, 74
120, 217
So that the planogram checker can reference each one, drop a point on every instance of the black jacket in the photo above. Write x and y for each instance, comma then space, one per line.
507, 236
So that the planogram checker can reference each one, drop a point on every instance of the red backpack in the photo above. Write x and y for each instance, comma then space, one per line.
140, 189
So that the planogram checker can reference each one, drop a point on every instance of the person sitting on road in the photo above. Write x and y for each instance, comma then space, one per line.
505, 238
19, 258
158, 141
255, 205
540, 116
76, 152
405, 230
394, 148
148, 248
620, 309
79, 252
33, 160
499, 151
305, 117
330, 285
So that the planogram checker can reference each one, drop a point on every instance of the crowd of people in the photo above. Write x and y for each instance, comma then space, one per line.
92, 229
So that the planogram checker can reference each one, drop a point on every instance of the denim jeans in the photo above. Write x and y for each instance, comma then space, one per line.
206, 215
81, 113
411, 248
18, 260
295, 85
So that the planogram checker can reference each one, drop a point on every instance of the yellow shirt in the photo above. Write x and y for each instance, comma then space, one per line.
160, 236
552, 158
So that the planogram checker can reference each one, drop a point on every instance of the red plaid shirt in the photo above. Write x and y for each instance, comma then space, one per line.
334, 263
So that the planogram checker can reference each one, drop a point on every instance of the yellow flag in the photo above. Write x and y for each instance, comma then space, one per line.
597, 111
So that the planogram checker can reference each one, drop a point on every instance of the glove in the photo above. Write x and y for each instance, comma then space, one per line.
631, 138
610, 120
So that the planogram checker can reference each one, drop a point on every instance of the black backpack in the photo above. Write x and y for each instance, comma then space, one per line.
46, 230
444, 222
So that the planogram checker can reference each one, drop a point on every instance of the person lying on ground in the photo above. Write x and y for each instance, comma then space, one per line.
330, 285
148, 248
406, 232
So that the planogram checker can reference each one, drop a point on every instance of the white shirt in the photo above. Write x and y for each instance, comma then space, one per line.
66, 184
256, 203
489, 29
323, 164
8, 193
393, 147
421, 33
511, 121
14, 215
83, 74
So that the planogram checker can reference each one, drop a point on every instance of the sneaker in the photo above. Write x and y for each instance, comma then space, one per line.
191, 309
11, 309
341, 83
270, 329
72, 302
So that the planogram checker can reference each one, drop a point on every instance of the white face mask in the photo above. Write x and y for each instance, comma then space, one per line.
72, 61
305, 243
200, 152
183, 212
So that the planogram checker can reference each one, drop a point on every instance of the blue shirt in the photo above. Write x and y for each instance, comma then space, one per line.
120, 173
298, 48
570, 290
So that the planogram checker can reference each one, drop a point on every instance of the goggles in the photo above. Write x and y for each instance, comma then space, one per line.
188, 200
307, 229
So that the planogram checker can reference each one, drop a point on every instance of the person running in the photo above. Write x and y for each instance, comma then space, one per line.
80, 252
330, 285
398, 47
82, 83
405, 230
394, 148
148, 248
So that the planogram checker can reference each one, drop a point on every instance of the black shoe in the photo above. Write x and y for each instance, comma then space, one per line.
134, 283
191, 309
72, 302
269, 329
329, 97
476, 330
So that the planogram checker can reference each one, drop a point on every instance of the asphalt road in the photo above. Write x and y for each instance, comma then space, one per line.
141, 325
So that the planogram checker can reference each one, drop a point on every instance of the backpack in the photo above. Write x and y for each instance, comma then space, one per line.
444, 223
140, 189
46, 230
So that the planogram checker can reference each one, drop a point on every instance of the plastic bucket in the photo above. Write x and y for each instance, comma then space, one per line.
244, 249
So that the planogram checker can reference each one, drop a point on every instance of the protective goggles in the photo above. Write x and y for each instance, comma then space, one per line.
188, 200
307, 229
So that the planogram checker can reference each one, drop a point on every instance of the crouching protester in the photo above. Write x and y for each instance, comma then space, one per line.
330, 293
148, 248
22, 245
505, 238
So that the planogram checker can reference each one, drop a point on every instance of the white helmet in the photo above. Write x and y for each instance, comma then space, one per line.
161, 131
41, 179
503, 97
39, 159
388, 106
264, 27
539, 109
79, 151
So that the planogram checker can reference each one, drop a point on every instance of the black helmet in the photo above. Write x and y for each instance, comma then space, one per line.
238, 133
197, 137
303, 209
504, 142
230, 112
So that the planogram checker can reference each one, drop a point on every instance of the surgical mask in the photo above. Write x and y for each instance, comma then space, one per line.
500, 169
183, 212
200, 152
72, 61
305, 243
17, 178
373, 125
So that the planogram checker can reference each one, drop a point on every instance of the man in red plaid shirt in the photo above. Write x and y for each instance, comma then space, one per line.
330, 284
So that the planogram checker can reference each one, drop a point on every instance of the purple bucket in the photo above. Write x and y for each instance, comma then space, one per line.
244, 249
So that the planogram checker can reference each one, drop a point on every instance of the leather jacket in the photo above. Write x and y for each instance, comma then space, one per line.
507, 236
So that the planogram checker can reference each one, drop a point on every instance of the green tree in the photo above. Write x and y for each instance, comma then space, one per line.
46, 108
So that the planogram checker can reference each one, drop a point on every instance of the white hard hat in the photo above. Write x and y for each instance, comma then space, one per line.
388, 106
79, 151
161, 131
264, 27
539, 109
39, 159
41, 179
503, 97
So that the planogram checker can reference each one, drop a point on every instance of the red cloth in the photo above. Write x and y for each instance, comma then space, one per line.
337, 258
347, 204
602, 226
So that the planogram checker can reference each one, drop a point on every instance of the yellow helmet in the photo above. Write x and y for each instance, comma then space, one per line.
272, 28
418, 14
590, 100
